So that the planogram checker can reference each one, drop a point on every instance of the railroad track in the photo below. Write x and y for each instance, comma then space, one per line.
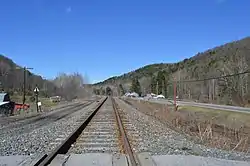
36, 122
102, 131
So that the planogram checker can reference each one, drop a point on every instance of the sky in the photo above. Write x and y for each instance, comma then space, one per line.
104, 38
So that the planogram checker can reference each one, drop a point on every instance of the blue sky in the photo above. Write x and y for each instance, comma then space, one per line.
103, 38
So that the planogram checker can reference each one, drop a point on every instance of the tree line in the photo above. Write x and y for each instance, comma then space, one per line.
69, 86
158, 85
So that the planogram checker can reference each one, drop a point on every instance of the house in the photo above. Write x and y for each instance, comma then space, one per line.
127, 94
133, 94
159, 97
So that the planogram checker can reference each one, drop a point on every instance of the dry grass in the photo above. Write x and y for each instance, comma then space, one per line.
46, 104
229, 118
216, 128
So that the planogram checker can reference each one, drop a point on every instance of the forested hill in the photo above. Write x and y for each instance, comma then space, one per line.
11, 79
223, 60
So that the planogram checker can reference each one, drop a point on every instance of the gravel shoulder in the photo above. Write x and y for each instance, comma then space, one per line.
22, 118
159, 139
28, 124
35, 138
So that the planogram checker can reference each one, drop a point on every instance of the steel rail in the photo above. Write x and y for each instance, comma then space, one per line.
66, 144
128, 149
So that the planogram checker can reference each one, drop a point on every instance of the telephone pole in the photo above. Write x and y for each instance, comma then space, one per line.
175, 106
24, 81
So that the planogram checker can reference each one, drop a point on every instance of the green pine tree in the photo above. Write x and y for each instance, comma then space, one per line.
108, 91
135, 86
121, 90
160, 81
153, 84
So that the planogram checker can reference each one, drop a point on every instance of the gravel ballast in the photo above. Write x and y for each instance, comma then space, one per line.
158, 139
34, 138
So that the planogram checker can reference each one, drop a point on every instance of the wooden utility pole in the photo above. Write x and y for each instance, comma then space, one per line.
24, 83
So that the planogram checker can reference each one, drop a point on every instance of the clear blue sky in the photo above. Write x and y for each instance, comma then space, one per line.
103, 38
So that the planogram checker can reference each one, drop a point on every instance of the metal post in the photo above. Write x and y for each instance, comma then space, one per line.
37, 109
24, 85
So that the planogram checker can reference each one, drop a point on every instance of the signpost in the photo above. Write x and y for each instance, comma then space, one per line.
36, 90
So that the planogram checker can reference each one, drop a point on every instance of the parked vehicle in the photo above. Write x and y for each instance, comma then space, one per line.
55, 99
6, 105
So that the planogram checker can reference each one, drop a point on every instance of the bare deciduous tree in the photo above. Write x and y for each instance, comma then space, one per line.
71, 85
4, 68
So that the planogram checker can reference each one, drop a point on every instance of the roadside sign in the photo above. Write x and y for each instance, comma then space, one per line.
39, 103
36, 89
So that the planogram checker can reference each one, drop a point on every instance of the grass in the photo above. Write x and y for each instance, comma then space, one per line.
46, 103
219, 116
213, 127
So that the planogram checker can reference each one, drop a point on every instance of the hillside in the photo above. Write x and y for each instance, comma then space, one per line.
223, 60
11, 79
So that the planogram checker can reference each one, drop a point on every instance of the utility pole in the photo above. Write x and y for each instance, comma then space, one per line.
24, 85
24, 82
175, 94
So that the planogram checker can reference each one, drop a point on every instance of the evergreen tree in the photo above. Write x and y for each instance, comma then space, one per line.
121, 90
166, 81
160, 82
96, 91
108, 91
153, 84
135, 86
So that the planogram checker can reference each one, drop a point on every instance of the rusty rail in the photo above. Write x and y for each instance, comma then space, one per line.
126, 144
66, 144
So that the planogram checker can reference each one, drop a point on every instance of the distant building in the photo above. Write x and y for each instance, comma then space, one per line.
133, 94
160, 97
127, 94
151, 95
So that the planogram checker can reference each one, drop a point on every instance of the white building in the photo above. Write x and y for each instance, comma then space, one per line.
133, 94
160, 97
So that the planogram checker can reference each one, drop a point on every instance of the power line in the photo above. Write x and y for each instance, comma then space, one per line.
211, 78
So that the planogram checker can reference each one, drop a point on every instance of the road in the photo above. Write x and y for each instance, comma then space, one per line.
204, 105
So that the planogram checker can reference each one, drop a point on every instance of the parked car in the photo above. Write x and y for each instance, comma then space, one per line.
6, 105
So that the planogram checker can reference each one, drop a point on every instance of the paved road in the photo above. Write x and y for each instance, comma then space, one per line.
204, 105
